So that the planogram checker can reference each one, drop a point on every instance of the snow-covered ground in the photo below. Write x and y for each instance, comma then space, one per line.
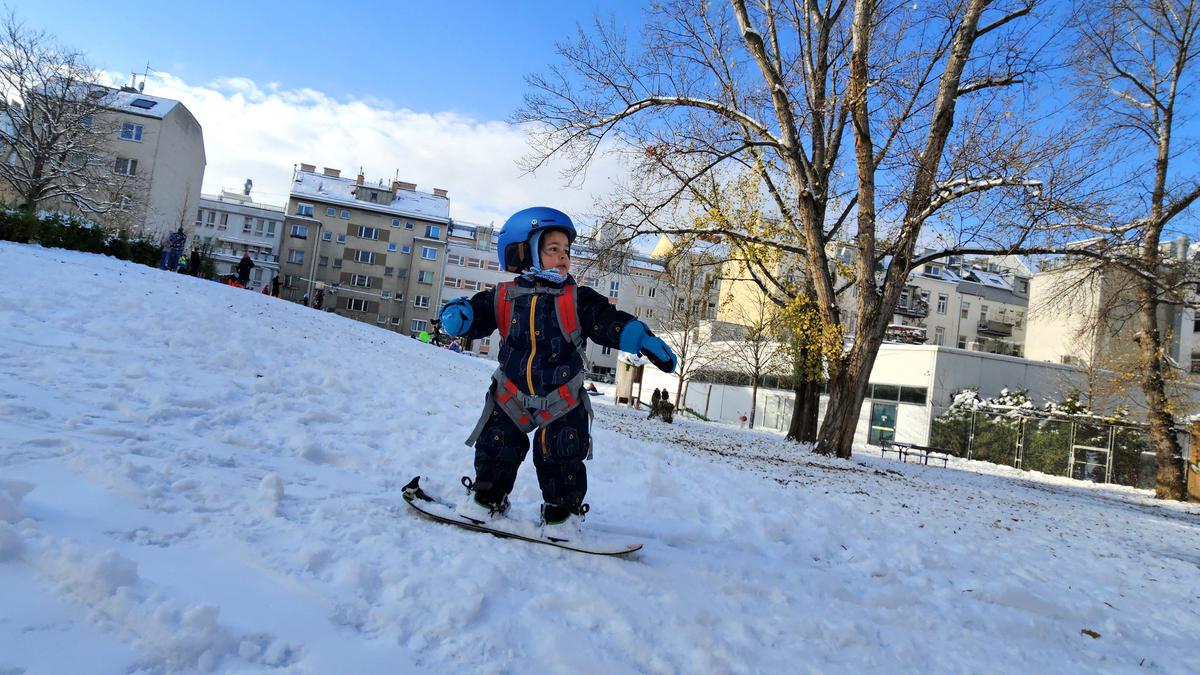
199, 478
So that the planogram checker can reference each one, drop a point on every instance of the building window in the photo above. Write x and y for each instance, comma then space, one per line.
406, 249
381, 319
471, 285
421, 301
270, 228
131, 132
450, 282
295, 256
143, 103
330, 211
453, 258
429, 253
493, 266
389, 271
365, 232
247, 224
943, 300
425, 277
395, 222
1022, 286
360, 280
299, 231
304, 209
419, 325
1020, 318
337, 263
966, 309
939, 336
399, 297
356, 304
386, 295
613, 288
408, 225
341, 239
433, 231
650, 292
125, 166
327, 236
605, 351
392, 247
345, 214
962, 341
200, 217
983, 312
323, 260
367, 257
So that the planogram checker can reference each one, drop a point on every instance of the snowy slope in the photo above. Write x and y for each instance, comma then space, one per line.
193, 478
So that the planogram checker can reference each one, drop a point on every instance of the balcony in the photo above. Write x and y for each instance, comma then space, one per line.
995, 328
915, 308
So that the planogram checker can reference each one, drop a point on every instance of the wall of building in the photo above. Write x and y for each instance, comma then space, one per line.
178, 171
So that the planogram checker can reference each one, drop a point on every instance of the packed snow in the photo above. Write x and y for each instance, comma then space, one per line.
199, 478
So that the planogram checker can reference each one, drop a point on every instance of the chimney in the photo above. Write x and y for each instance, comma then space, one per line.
439, 192
361, 177
1181, 247
401, 185
246, 189
142, 86
332, 173
307, 167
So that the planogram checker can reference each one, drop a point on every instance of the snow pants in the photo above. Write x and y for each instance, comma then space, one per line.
559, 449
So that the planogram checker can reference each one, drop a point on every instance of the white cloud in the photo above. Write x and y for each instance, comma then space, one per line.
261, 131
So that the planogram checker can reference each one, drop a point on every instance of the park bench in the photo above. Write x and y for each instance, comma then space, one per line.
922, 452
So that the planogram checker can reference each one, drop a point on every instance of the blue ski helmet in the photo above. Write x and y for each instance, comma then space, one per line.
517, 244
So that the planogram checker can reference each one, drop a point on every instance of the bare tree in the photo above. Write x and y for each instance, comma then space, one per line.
755, 347
1136, 58
781, 89
52, 130
685, 321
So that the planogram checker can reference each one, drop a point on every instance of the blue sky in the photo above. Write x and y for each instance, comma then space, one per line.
468, 56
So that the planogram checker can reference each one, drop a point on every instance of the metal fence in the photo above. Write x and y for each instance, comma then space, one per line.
1081, 447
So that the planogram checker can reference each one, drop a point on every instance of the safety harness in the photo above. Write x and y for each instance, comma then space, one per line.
530, 412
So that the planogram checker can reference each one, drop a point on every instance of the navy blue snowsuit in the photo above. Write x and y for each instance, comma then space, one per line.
538, 358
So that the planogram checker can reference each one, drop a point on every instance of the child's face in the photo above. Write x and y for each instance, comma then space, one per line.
555, 251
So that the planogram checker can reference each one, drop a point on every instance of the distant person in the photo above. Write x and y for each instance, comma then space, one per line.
666, 410
164, 256
456, 346
193, 264
305, 300
275, 286
177, 243
320, 299
267, 290
244, 266
655, 398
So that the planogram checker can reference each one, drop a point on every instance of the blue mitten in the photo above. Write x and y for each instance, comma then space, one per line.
456, 317
636, 338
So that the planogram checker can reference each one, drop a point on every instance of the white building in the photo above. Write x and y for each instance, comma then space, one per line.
232, 223
161, 145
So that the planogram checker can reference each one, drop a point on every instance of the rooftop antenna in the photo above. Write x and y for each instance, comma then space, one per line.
145, 73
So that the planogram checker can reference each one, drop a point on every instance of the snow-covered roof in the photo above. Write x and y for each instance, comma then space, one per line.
339, 190
138, 103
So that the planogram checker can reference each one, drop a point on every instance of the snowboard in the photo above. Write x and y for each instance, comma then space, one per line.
594, 543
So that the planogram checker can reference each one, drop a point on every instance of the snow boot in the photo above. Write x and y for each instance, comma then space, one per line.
561, 523
479, 507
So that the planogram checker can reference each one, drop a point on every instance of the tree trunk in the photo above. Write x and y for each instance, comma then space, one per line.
753, 400
1169, 480
848, 388
803, 427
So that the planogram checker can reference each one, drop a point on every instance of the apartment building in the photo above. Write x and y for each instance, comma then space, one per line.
155, 161
978, 304
230, 224
472, 266
371, 251
1091, 319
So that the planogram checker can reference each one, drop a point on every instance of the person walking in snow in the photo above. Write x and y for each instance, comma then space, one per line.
275, 286
244, 266
194, 262
666, 411
545, 320
177, 243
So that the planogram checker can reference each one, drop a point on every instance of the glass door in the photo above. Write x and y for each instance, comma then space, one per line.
883, 423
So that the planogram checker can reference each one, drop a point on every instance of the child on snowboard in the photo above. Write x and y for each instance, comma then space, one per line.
544, 319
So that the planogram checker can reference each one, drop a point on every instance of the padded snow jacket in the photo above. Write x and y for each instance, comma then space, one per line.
536, 355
